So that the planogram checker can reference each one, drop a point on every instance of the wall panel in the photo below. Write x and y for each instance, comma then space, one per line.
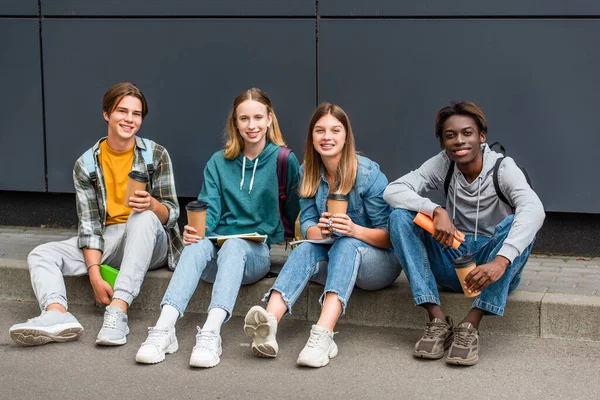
395, 8
21, 130
189, 69
166, 8
536, 80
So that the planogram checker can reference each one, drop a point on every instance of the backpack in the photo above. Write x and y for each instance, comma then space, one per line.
494, 175
282, 178
90, 165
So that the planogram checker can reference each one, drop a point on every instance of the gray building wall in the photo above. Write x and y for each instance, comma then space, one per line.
532, 67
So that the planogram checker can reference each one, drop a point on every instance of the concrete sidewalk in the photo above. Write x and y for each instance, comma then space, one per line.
559, 297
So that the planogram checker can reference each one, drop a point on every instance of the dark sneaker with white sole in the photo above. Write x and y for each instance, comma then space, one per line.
465, 348
435, 340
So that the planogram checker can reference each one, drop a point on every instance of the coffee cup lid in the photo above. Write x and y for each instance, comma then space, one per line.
138, 176
464, 261
196, 205
338, 196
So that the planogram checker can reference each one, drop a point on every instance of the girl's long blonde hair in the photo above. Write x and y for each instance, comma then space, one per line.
235, 143
348, 165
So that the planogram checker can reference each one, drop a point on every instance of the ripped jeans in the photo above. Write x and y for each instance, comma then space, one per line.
339, 266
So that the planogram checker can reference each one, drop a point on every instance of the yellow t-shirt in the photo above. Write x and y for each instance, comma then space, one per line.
116, 166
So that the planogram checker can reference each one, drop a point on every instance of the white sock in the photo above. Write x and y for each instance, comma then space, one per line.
216, 317
168, 317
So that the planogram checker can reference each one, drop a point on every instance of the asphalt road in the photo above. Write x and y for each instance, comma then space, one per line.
373, 363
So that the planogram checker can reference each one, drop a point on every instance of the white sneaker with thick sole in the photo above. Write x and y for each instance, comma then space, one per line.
207, 350
50, 326
159, 342
319, 348
262, 328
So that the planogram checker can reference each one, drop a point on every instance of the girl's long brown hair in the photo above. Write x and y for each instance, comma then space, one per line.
348, 165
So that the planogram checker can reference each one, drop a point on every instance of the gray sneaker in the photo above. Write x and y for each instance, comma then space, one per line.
435, 340
262, 328
465, 348
114, 329
50, 326
319, 348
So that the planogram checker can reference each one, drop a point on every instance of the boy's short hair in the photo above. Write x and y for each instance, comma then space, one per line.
463, 108
115, 94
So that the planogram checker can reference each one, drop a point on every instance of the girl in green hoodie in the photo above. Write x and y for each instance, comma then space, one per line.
241, 190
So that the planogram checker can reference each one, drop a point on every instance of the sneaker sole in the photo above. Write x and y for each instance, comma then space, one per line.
102, 341
462, 361
256, 326
161, 357
435, 356
203, 363
36, 337
332, 353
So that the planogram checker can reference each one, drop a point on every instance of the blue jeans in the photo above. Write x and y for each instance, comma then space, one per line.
339, 266
237, 262
427, 266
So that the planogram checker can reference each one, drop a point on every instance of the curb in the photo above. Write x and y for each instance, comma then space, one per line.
533, 314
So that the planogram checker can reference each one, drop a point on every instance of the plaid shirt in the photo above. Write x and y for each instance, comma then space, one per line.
91, 198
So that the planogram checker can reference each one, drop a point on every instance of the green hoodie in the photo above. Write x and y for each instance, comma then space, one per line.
245, 200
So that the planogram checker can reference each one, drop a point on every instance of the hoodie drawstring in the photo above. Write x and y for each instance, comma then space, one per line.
244, 174
479, 179
477, 214
253, 172
454, 198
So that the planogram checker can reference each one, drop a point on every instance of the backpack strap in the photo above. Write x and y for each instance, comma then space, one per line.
282, 178
148, 159
502, 149
496, 184
448, 178
90, 165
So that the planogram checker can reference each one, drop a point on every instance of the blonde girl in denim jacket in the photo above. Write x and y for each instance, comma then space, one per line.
361, 254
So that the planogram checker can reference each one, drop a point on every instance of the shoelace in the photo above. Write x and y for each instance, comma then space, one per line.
433, 330
110, 320
464, 336
155, 336
315, 338
205, 340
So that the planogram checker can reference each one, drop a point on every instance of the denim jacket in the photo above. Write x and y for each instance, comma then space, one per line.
366, 206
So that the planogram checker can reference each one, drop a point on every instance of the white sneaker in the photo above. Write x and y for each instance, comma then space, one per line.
159, 342
50, 326
262, 328
319, 348
207, 349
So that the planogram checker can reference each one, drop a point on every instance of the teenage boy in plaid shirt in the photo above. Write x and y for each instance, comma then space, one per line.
134, 239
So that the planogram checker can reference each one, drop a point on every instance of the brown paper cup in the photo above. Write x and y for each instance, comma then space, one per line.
136, 181
197, 220
463, 265
196, 215
337, 204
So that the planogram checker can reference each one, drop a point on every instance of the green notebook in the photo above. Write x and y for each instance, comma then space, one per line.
109, 274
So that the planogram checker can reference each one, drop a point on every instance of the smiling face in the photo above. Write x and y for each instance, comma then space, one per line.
125, 120
462, 139
252, 122
329, 137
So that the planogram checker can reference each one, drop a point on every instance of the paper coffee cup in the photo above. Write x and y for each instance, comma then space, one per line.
196, 214
463, 265
337, 204
137, 181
